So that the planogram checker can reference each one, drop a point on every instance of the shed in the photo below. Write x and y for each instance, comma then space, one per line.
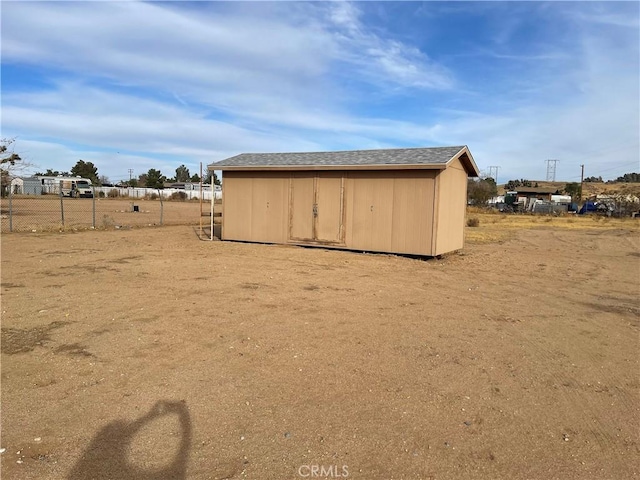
26, 186
408, 201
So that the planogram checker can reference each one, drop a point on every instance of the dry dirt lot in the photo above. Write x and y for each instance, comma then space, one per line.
148, 353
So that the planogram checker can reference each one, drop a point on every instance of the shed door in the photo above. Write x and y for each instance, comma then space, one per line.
329, 208
316, 208
301, 201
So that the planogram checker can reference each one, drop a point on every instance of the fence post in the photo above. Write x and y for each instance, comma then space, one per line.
93, 224
161, 205
213, 200
61, 208
10, 208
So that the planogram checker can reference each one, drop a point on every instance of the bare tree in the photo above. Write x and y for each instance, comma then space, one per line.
11, 164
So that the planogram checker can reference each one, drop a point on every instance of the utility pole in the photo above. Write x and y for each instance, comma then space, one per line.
551, 170
581, 182
130, 174
492, 169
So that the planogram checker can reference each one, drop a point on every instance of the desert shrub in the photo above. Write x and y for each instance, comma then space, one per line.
113, 193
107, 221
473, 222
154, 196
101, 194
180, 196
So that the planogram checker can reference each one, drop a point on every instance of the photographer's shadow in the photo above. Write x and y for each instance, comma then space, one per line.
108, 455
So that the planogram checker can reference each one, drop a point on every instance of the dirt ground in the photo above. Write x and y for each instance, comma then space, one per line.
149, 353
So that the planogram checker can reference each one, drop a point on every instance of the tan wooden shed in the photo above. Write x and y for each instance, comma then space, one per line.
409, 201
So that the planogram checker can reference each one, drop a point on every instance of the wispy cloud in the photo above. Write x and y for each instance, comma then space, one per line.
200, 81
384, 60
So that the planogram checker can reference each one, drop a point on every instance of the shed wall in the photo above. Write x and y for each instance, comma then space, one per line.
255, 208
451, 209
386, 211
390, 211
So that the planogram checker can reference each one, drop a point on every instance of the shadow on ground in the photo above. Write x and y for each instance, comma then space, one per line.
205, 233
109, 455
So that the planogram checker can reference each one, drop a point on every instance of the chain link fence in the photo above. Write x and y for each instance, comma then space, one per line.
100, 210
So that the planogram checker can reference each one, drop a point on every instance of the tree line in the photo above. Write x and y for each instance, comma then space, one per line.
153, 178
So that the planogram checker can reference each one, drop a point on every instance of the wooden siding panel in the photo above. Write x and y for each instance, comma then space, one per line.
255, 208
370, 211
451, 209
301, 207
329, 203
413, 212
269, 207
236, 204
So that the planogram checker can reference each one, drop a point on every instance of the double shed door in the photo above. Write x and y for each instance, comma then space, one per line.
316, 208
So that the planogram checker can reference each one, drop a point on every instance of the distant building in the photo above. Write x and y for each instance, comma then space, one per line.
26, 186
536, 193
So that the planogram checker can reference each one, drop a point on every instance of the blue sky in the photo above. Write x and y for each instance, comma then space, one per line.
154, 85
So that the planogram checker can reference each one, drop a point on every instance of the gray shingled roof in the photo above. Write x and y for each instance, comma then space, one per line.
395, 156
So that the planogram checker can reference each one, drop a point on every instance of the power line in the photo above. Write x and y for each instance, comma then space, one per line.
599, 153
608, 169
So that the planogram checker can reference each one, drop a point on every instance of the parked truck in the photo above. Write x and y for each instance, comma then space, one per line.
80, 187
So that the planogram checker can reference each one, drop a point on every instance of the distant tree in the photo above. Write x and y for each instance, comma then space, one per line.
103, 179
207, 178
492, 185
594, 179
134, 182
142, 180
629, 178
155, 179
479, 191
513, 184
574, 190
195, 178
182, 174
52, 173
86, 170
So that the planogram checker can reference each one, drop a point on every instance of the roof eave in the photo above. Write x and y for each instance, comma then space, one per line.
277, 168
469, 164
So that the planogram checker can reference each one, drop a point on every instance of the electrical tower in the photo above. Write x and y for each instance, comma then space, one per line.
493, 175
130, 174
551, 170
